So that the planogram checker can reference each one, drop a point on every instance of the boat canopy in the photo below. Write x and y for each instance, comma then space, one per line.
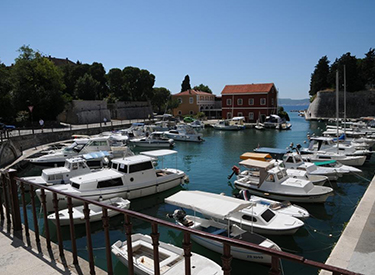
256, 156
96, 155
257, 163
270, 150
159, 153
214, 205
238, 118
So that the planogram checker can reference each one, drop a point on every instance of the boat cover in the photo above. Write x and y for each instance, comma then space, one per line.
159, 153
214, 205
96, 155
256, 156
257, 163
271, 150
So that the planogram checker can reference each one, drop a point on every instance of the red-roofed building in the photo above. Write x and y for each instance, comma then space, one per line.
192, 101
249, 100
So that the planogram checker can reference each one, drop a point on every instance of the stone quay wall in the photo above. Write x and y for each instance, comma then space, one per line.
358, 104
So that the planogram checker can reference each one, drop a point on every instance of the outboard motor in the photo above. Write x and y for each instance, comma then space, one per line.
180, 216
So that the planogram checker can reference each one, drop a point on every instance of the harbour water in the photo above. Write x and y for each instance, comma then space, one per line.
208, 165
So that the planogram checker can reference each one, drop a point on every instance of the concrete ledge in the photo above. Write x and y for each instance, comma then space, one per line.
355, 249
21, 254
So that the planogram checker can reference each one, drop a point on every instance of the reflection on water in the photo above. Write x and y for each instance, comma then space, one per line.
208, 165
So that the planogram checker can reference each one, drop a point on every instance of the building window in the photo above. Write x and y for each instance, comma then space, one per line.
272, 101
229, 102
229, 115
262, 101
191, 112
251, 101
201, 97
239, 114
239, 101
179, 112
179, 100
251, 116
191, 100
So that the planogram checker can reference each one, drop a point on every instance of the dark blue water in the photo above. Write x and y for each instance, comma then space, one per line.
208, 165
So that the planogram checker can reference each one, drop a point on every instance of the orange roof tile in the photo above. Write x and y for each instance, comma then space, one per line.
193, 92
247, 88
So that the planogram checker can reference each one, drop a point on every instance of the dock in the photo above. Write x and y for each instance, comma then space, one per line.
355, 250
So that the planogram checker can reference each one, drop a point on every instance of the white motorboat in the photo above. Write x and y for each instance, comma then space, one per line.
295, 161
284, 207
128, 177
153, 140
319, 156
60, 175
197, 124
233, 124
267, 179
276, 122
184, 133
233, 232
172, 261
292, 172
252, 217
94, 144
96, 212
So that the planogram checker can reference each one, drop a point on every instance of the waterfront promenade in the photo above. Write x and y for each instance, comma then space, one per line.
355, 250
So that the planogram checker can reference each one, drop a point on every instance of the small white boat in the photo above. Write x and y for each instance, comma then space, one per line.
96, 212
250, 216
284, 207
233, 124
197, 124
319, 156
128, 177
267, 179
184, 133
171, 258
233, 232
73, 167
153, 140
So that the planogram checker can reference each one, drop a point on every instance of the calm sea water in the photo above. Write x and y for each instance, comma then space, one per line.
208, 165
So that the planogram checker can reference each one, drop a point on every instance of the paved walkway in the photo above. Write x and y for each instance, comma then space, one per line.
17, 258
355, 249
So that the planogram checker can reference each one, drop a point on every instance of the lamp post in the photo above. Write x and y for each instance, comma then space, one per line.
31, 107
100, 117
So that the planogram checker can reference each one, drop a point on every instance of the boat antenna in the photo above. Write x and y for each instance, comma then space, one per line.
337, 108
344, 102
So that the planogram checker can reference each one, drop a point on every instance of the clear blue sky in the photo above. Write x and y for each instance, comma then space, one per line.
215, 42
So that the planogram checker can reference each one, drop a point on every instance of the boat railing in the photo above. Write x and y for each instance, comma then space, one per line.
13, 201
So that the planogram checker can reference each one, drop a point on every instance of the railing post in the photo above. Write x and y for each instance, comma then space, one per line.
24, 207
6, 196
35, 217
86, 211
128, 232
58, 227
72, 232
45, 212
155, 243
275, 266
226, 259
187, 253
105, 220
16, 216
1, 194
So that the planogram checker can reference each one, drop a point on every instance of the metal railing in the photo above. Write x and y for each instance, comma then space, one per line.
13, 189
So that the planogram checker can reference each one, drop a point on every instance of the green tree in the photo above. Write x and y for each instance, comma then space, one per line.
367, 68
98, 73
7, 111
137, 84
37, 82
319, 78
281, 113
160, 99
203, 88
185, 85
115, 83
353, 79
86, 88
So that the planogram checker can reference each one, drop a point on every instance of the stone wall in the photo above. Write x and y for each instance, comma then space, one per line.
358, 104
94, 111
